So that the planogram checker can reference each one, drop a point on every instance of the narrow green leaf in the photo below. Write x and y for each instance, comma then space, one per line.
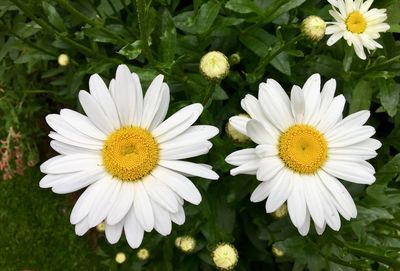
361, 96
207, 14
281, 63
132, 50
53, 16
243, 6
167, 38
389, 96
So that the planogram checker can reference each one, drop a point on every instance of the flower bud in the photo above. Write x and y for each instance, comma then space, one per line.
235, 134
143, 254
225, 256
214, 66
120, 257
101, 227
63, 60
313, 28
185, 243
280, 212
277, 252
234, 59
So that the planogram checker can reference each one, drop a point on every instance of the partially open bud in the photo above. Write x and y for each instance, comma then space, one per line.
185, 243
235, 134
101, 227
63, 60
313, 28
225, 256
214, 66
280, 212
120, 257
277, 252
143, 254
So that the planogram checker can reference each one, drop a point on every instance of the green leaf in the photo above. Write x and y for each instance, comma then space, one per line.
389, 96
53, 16
132, 50
167, 38
389, 171
395, 28
361, 96
281, 63
258, 40
207, 14
243, 6
280, 7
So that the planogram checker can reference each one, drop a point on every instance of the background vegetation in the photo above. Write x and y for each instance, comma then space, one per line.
169, 37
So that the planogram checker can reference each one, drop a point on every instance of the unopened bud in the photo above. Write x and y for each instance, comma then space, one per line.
313, 28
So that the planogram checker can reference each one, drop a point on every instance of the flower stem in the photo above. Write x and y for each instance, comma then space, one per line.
269, 57
141, 14
209, 92
72, 10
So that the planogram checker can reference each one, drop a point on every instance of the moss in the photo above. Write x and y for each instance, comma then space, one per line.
35, 230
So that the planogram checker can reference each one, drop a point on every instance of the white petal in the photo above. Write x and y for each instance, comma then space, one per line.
249, 168
178, 183
349, 171
189, 168
239, 123
333, 114
320, 230
296, 202
137, 116
263, 190
85, 202
66, 149
100, 93
161, 193
358, 48
113, 232
178, 217
297, 103
68, 141
264, 151
63, 128
125, 96
163, 108
122, 205
257, 132
252, 106
327, 93
142, 206
75, 181
177, 123
280, 192
276, 104
104, 202
241, 157
312, 99
334, 38
70, 163
303, 230
152, 101
196, 133
269, 167
186, 151
353, 136
82, 124
82, 227
339, 192
95, 113
162, 221
311, 195
133, 230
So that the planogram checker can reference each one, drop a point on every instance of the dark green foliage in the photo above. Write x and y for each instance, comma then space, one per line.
170, 37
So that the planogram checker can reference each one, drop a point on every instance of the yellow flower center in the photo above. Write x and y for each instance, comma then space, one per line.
303, 149
356, 22
130, 153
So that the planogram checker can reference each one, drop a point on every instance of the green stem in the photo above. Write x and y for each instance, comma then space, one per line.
72, 10
268, 58
140, 9
209, 92
389, 61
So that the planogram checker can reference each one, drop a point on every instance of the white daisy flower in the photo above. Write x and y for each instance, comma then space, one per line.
303, 148
128, 156
358, 25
